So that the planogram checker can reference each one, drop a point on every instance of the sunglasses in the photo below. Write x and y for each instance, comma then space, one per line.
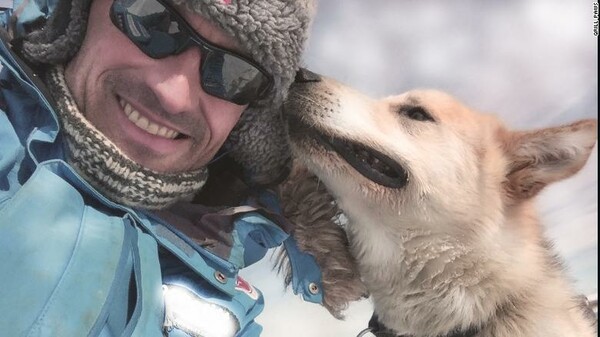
158, 30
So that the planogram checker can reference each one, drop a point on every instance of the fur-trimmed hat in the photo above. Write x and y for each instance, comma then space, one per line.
274, 32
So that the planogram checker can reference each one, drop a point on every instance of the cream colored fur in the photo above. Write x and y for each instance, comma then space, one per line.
461, 244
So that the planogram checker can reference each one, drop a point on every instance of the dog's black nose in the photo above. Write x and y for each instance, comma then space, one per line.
304, 75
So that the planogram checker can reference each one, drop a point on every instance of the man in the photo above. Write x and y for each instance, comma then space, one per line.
112, 111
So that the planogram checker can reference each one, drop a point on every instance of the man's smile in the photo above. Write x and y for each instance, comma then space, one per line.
141, 128
143, 123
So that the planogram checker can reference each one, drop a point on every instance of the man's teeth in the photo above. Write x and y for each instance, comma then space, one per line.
146, 125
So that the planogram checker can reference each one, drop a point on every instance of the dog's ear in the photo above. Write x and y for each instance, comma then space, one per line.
540, 157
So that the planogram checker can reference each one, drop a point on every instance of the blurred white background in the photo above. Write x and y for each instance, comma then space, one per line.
534, 63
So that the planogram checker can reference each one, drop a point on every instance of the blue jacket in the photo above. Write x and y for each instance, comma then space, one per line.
73, 263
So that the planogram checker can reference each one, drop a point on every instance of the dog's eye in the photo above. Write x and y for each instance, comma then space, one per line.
417, 113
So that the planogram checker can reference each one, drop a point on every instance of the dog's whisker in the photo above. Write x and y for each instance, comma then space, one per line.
309, 99
222, 155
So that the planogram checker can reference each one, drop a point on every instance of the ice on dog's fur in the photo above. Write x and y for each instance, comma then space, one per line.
458, 243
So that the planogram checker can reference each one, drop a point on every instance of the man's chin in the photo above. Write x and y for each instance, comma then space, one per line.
174, 159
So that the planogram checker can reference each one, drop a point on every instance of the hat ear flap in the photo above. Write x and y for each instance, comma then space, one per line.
538, 158
56, 41
259, 144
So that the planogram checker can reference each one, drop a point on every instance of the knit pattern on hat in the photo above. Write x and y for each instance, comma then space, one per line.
274, 32
258, 143
108, 169
62, 35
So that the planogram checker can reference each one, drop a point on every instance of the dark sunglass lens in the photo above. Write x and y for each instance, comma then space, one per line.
232, 78
150, 26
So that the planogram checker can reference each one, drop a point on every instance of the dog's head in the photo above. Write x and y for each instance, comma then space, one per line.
423, 157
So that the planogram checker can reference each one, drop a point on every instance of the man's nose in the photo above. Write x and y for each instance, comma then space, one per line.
178, 84
304, 75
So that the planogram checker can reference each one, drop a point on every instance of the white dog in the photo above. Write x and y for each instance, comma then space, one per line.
439, 201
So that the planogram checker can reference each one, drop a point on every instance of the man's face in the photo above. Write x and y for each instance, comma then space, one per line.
154, 110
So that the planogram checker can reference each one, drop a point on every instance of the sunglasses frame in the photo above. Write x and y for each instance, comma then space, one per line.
206, 47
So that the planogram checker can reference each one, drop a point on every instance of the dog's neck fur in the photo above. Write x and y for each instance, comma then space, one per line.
415, 275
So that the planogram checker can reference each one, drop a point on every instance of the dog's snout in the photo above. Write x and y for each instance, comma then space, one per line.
304, 75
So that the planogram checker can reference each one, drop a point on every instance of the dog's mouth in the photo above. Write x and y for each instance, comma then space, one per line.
370, 163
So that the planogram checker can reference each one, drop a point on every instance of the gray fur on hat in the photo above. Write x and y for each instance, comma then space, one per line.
273, 32
62, 35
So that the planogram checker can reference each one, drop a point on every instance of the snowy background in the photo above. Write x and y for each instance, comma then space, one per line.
534, 63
